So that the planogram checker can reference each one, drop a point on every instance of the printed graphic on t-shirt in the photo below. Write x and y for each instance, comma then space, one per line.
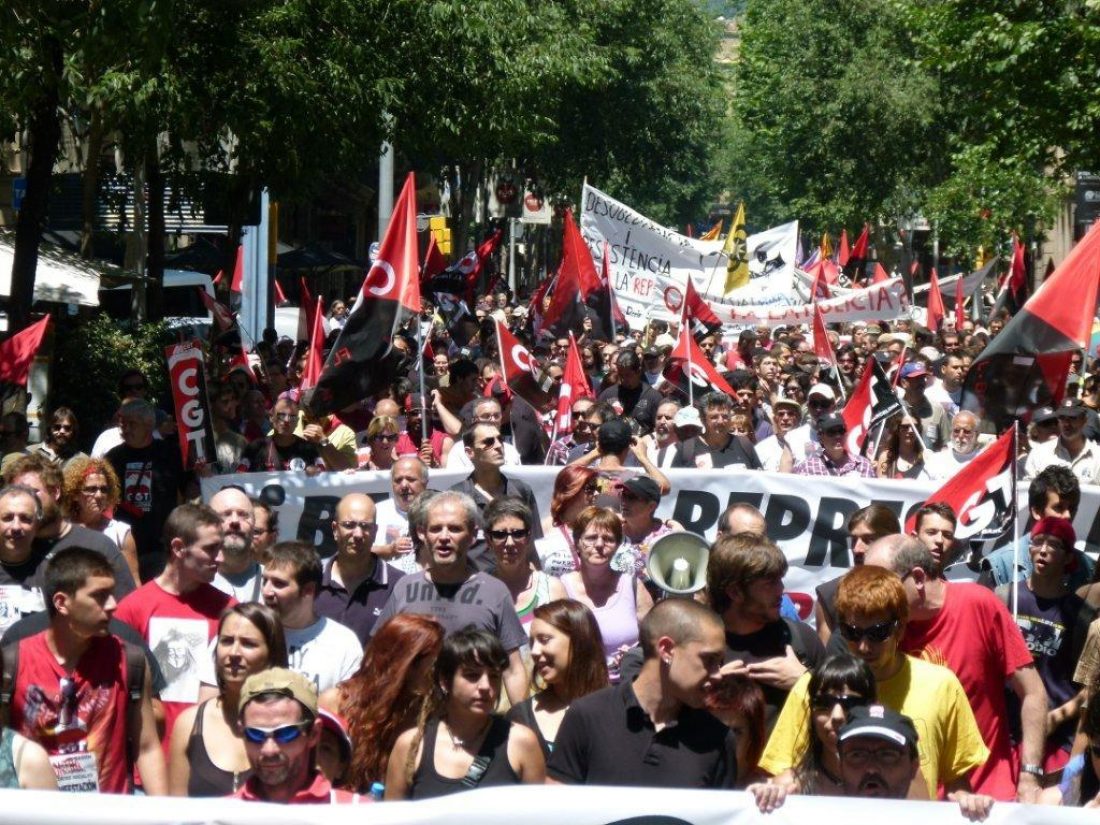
137, 486
1042, 636
60, 723
178, 646
17, 601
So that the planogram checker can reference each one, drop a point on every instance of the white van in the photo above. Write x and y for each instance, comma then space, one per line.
183, 305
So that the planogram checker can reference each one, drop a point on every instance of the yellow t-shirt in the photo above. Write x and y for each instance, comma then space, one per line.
950, 743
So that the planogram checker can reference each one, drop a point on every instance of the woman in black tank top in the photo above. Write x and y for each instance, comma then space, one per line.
206, 755
459, 744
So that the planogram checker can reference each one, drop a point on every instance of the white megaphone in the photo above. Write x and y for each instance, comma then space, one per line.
678, 563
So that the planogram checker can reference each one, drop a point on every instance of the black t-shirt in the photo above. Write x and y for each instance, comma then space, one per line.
151, 479
738, 452
826, 598
81, 536
606, 738
639, 403
264, 455
772, 641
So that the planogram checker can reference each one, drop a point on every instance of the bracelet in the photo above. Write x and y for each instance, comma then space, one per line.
1034, 770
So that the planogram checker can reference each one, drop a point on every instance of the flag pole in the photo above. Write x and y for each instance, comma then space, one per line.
423, 399
684, 329
1015, 525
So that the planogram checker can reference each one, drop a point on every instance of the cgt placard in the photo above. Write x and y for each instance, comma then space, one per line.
187, 375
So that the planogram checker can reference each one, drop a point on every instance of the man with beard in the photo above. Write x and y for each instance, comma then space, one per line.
960, 450
239, 574
432, 450
653, 731
781, 451
355, 584
392, 542
56, 532
282, 732
660, 445
60, 445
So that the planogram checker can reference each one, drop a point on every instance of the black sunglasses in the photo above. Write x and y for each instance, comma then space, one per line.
834, 431
875, 633
504, 535
828, 701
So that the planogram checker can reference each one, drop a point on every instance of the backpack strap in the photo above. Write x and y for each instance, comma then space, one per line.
483, 759
10, 655
135, 686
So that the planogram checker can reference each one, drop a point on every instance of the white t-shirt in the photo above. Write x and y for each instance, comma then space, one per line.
800, 440
393, 524
327, 652
244, 587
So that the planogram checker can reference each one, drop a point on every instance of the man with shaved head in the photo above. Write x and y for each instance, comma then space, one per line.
239, 574
356, 584
964, 626
653, 731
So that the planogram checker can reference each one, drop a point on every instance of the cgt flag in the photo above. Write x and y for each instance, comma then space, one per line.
364, 357
1027, 364
574, 385
187, 375
983, 495
521, 373
872, 402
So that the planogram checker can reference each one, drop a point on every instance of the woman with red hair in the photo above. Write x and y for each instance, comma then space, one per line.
384, 697
90, 493
575, 488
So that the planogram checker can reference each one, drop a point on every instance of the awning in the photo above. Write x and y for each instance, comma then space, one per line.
61, 277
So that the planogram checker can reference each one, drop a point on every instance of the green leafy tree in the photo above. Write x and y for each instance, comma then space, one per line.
834, 123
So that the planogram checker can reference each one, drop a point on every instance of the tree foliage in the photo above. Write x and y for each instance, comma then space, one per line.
833, 122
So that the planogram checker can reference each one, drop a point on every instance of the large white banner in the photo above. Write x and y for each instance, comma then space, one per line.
651, 264
806, 516
533, 804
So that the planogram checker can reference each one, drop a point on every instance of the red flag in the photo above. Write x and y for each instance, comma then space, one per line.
698, 315
218, 277
858, 256
873, 400
474, 261
960, 304
521, 373
1027, 364
842, 251
534, 308
238, 271
819, 288
982, 492
222, 316
880, 274
577, 279
937, 311
17, 352
700, 377
823, 347
187, 378
315, 356
574, 385
434, 262
1017, 272
280, 296
363, 357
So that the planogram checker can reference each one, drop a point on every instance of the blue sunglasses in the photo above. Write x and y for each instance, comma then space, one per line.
283, 735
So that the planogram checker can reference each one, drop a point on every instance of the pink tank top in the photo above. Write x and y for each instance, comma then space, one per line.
618, 621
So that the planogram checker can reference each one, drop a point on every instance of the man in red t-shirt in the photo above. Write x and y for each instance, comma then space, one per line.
71, 691
177, 612
966, 628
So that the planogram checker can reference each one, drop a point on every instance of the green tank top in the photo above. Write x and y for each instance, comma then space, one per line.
9, 777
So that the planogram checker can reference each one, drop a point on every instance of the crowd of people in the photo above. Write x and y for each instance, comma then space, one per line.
475, 635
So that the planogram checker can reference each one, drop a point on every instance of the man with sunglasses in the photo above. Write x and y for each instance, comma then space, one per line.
833, 459
872, 612
579, 441
965, 627
283, 450
278, 717
60, 444
787, 447
356, 584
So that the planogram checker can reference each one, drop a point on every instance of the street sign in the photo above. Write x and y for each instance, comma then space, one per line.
18, 192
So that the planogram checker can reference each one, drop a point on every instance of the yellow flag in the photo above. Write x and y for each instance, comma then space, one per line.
714, 233
826, 246
737, 253
981, 260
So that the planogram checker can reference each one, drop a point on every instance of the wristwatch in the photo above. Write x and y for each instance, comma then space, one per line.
1034, 770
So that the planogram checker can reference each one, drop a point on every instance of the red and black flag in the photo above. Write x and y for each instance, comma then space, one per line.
698, 315
1027, 364
691, 372
577, 282
853, 268
873, 401
983, 496
608, 314
364, 357
522, 373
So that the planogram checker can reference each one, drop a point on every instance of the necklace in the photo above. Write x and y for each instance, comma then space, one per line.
460, 743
